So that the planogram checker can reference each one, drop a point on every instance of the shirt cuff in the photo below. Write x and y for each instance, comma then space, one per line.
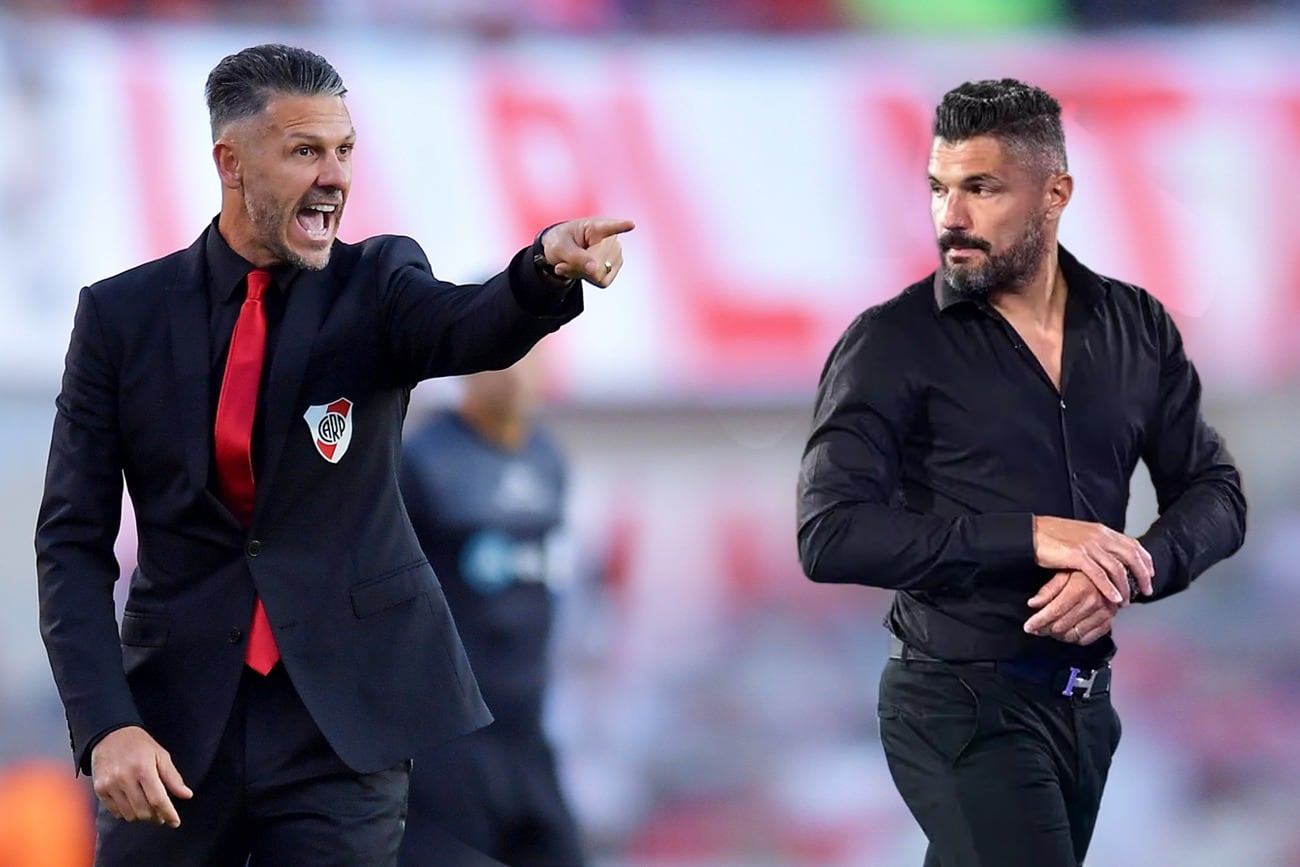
1162, 559
538, 293
1005, 541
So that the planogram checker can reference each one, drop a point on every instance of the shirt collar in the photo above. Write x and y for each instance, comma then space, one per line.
1085, 285
227, 269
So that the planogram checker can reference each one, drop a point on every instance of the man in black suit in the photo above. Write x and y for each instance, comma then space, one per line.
285, 646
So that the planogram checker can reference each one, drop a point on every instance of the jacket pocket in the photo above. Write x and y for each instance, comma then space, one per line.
386, 591
145, 630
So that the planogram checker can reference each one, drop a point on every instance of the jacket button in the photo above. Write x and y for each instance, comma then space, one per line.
236, 635
253, 548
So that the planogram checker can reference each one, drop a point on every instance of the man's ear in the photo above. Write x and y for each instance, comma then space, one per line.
230, 167
1060, 187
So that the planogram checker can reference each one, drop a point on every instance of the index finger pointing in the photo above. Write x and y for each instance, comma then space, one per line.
599, 228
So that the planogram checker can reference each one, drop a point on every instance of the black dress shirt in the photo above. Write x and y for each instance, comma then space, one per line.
227, 288
937, 436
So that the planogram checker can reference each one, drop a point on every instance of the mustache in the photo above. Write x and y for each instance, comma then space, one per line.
322, 196
951, 239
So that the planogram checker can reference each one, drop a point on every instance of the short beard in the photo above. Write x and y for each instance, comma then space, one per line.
1001, 272
265, 215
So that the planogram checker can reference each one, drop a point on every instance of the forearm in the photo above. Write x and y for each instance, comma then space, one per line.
1204, 525
80, 635
1198, 488
441, 329
880, 546
76, 571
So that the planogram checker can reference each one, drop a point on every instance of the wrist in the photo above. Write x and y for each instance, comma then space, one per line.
545, 269
543, 266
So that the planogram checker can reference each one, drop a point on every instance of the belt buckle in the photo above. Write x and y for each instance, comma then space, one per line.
1077, 679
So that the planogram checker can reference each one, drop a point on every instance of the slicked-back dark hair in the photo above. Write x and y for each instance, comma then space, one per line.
240, 85
1026, 119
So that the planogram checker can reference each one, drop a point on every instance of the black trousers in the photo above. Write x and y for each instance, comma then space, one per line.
489, 797
276, 796
998, 771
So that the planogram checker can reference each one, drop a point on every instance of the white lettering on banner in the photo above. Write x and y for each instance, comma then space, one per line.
778, 190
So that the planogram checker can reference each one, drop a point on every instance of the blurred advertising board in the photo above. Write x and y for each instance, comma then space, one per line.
779, 186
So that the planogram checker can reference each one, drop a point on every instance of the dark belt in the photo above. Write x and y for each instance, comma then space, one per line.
1061, 679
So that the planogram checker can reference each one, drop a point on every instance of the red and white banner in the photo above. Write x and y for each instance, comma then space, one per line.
778, 187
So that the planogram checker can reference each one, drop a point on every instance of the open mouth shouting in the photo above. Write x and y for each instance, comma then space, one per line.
319, 221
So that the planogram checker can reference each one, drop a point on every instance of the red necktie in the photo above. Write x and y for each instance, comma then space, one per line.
236, 409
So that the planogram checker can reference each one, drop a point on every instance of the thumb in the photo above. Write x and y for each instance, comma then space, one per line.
1049, 590
598, 229
172, 778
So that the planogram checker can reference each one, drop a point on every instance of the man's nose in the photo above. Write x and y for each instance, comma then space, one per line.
334, 173
954, 213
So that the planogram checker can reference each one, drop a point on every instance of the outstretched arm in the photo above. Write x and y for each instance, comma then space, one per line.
436, 328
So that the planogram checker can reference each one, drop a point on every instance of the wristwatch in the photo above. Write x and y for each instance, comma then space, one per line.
546, 269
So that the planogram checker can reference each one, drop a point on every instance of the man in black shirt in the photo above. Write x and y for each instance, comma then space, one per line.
972, 447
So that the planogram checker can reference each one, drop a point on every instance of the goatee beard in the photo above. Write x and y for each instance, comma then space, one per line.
264, 214
1001, 272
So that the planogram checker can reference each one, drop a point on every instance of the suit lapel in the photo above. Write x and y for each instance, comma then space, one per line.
187, 308
303, 314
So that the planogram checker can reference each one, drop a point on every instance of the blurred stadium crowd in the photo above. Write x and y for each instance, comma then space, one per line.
591, 17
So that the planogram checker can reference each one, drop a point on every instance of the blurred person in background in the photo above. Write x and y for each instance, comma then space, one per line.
972, 447
284, 649
485, 489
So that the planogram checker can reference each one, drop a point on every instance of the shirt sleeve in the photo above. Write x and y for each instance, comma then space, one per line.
850, 527
1198, 489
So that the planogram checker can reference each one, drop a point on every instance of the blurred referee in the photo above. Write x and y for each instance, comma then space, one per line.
972, 446
485, 490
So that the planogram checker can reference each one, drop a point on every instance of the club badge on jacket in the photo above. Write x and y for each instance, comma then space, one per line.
331, 428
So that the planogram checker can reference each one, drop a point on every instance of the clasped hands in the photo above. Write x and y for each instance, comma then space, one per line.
1093, 564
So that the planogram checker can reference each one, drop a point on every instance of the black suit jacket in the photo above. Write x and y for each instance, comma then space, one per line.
359, 617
